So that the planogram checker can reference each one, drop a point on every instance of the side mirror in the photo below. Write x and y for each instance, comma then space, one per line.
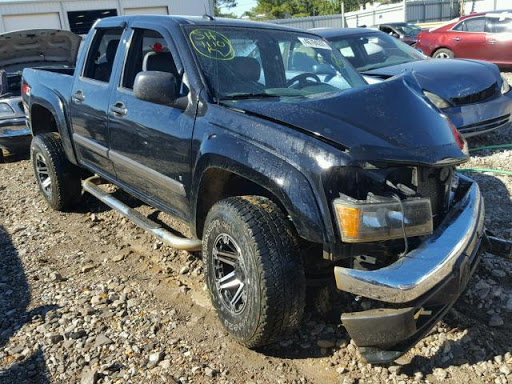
395, 35
156, 87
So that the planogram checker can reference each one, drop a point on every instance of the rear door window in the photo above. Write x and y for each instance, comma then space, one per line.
476, 24
102, 53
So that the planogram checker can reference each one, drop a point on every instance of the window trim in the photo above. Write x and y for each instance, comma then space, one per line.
119, 85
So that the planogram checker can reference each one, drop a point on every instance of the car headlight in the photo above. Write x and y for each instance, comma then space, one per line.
6, 110
505, 86
438, 101
364, 221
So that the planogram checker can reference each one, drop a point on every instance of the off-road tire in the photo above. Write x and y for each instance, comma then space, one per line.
443, 53
271, 264
65, 189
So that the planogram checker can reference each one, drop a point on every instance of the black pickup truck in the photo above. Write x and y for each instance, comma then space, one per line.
284, 163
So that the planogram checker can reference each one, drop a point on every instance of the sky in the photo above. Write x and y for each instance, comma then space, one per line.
242, 6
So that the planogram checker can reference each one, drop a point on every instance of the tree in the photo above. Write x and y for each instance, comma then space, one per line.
278, 9
218, 5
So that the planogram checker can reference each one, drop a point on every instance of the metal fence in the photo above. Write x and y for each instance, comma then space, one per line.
414, 11
428, 11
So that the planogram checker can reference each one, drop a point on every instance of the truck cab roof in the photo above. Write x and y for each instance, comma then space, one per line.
194, 20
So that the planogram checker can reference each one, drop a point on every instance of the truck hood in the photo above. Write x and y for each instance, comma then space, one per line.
38, 46
390, 121
442, 77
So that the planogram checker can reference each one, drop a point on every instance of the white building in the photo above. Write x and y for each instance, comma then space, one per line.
79, 15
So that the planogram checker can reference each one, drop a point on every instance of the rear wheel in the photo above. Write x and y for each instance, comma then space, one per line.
443, 53
253, 270
58, 179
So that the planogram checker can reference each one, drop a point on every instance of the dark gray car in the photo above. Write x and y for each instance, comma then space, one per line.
25, 49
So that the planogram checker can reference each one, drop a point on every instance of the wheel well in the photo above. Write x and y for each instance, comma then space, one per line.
42, 120
438, 48
218, 184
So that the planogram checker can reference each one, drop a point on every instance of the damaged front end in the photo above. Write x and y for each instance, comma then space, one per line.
410, 241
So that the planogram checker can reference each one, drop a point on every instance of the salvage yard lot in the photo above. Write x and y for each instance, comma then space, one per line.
87, 297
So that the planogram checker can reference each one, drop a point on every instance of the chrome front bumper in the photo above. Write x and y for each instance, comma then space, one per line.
15, 136
434, 261
14, 127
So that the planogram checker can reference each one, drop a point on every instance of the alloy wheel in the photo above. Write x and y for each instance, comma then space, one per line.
43, 175
230, 273
442, 55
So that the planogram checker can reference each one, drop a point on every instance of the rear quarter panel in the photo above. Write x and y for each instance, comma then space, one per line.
52, 91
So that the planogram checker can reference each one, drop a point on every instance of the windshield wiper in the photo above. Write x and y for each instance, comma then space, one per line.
244, 96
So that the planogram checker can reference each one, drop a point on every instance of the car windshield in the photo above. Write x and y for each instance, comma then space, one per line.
265, 63
408, 29
374, 51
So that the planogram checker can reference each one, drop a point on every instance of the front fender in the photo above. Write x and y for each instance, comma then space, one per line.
55, 104
272, 173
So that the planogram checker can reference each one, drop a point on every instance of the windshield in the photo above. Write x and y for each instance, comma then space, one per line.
260, 63
408, 29
374, 51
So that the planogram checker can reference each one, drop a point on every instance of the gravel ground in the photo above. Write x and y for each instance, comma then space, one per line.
86, 297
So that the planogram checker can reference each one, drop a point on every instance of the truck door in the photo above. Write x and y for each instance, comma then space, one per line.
151, 143
89, 100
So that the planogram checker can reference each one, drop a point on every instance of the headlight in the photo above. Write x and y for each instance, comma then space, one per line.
505, 86
438, 101
5, 110
363, 221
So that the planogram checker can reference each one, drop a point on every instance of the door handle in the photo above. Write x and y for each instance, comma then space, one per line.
456, 38
119, 109
78, 97
491, 41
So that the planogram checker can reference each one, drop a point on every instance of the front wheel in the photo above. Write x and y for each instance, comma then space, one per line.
253, 270
443, 53
57, 178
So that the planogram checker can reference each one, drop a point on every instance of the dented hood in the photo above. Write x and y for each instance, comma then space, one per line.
37, 46
389, 121
442, 77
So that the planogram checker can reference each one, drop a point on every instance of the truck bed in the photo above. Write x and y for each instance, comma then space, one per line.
58, 79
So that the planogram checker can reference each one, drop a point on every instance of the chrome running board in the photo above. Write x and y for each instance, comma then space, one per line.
91, 185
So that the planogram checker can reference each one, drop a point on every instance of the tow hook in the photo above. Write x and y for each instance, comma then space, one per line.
497, 246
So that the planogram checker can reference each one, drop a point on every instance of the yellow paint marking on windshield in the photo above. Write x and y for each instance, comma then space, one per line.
212, 44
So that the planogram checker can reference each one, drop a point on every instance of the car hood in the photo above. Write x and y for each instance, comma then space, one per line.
443, 77
38, 46
390, 121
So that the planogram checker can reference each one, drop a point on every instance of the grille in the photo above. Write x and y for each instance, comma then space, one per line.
485, 125
433, 183
477, 97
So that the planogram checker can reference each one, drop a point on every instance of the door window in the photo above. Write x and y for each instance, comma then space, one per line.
497, 25
476, 24
386, 30
101, 56
149, 52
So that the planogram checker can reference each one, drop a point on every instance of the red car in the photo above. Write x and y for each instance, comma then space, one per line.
482, 36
